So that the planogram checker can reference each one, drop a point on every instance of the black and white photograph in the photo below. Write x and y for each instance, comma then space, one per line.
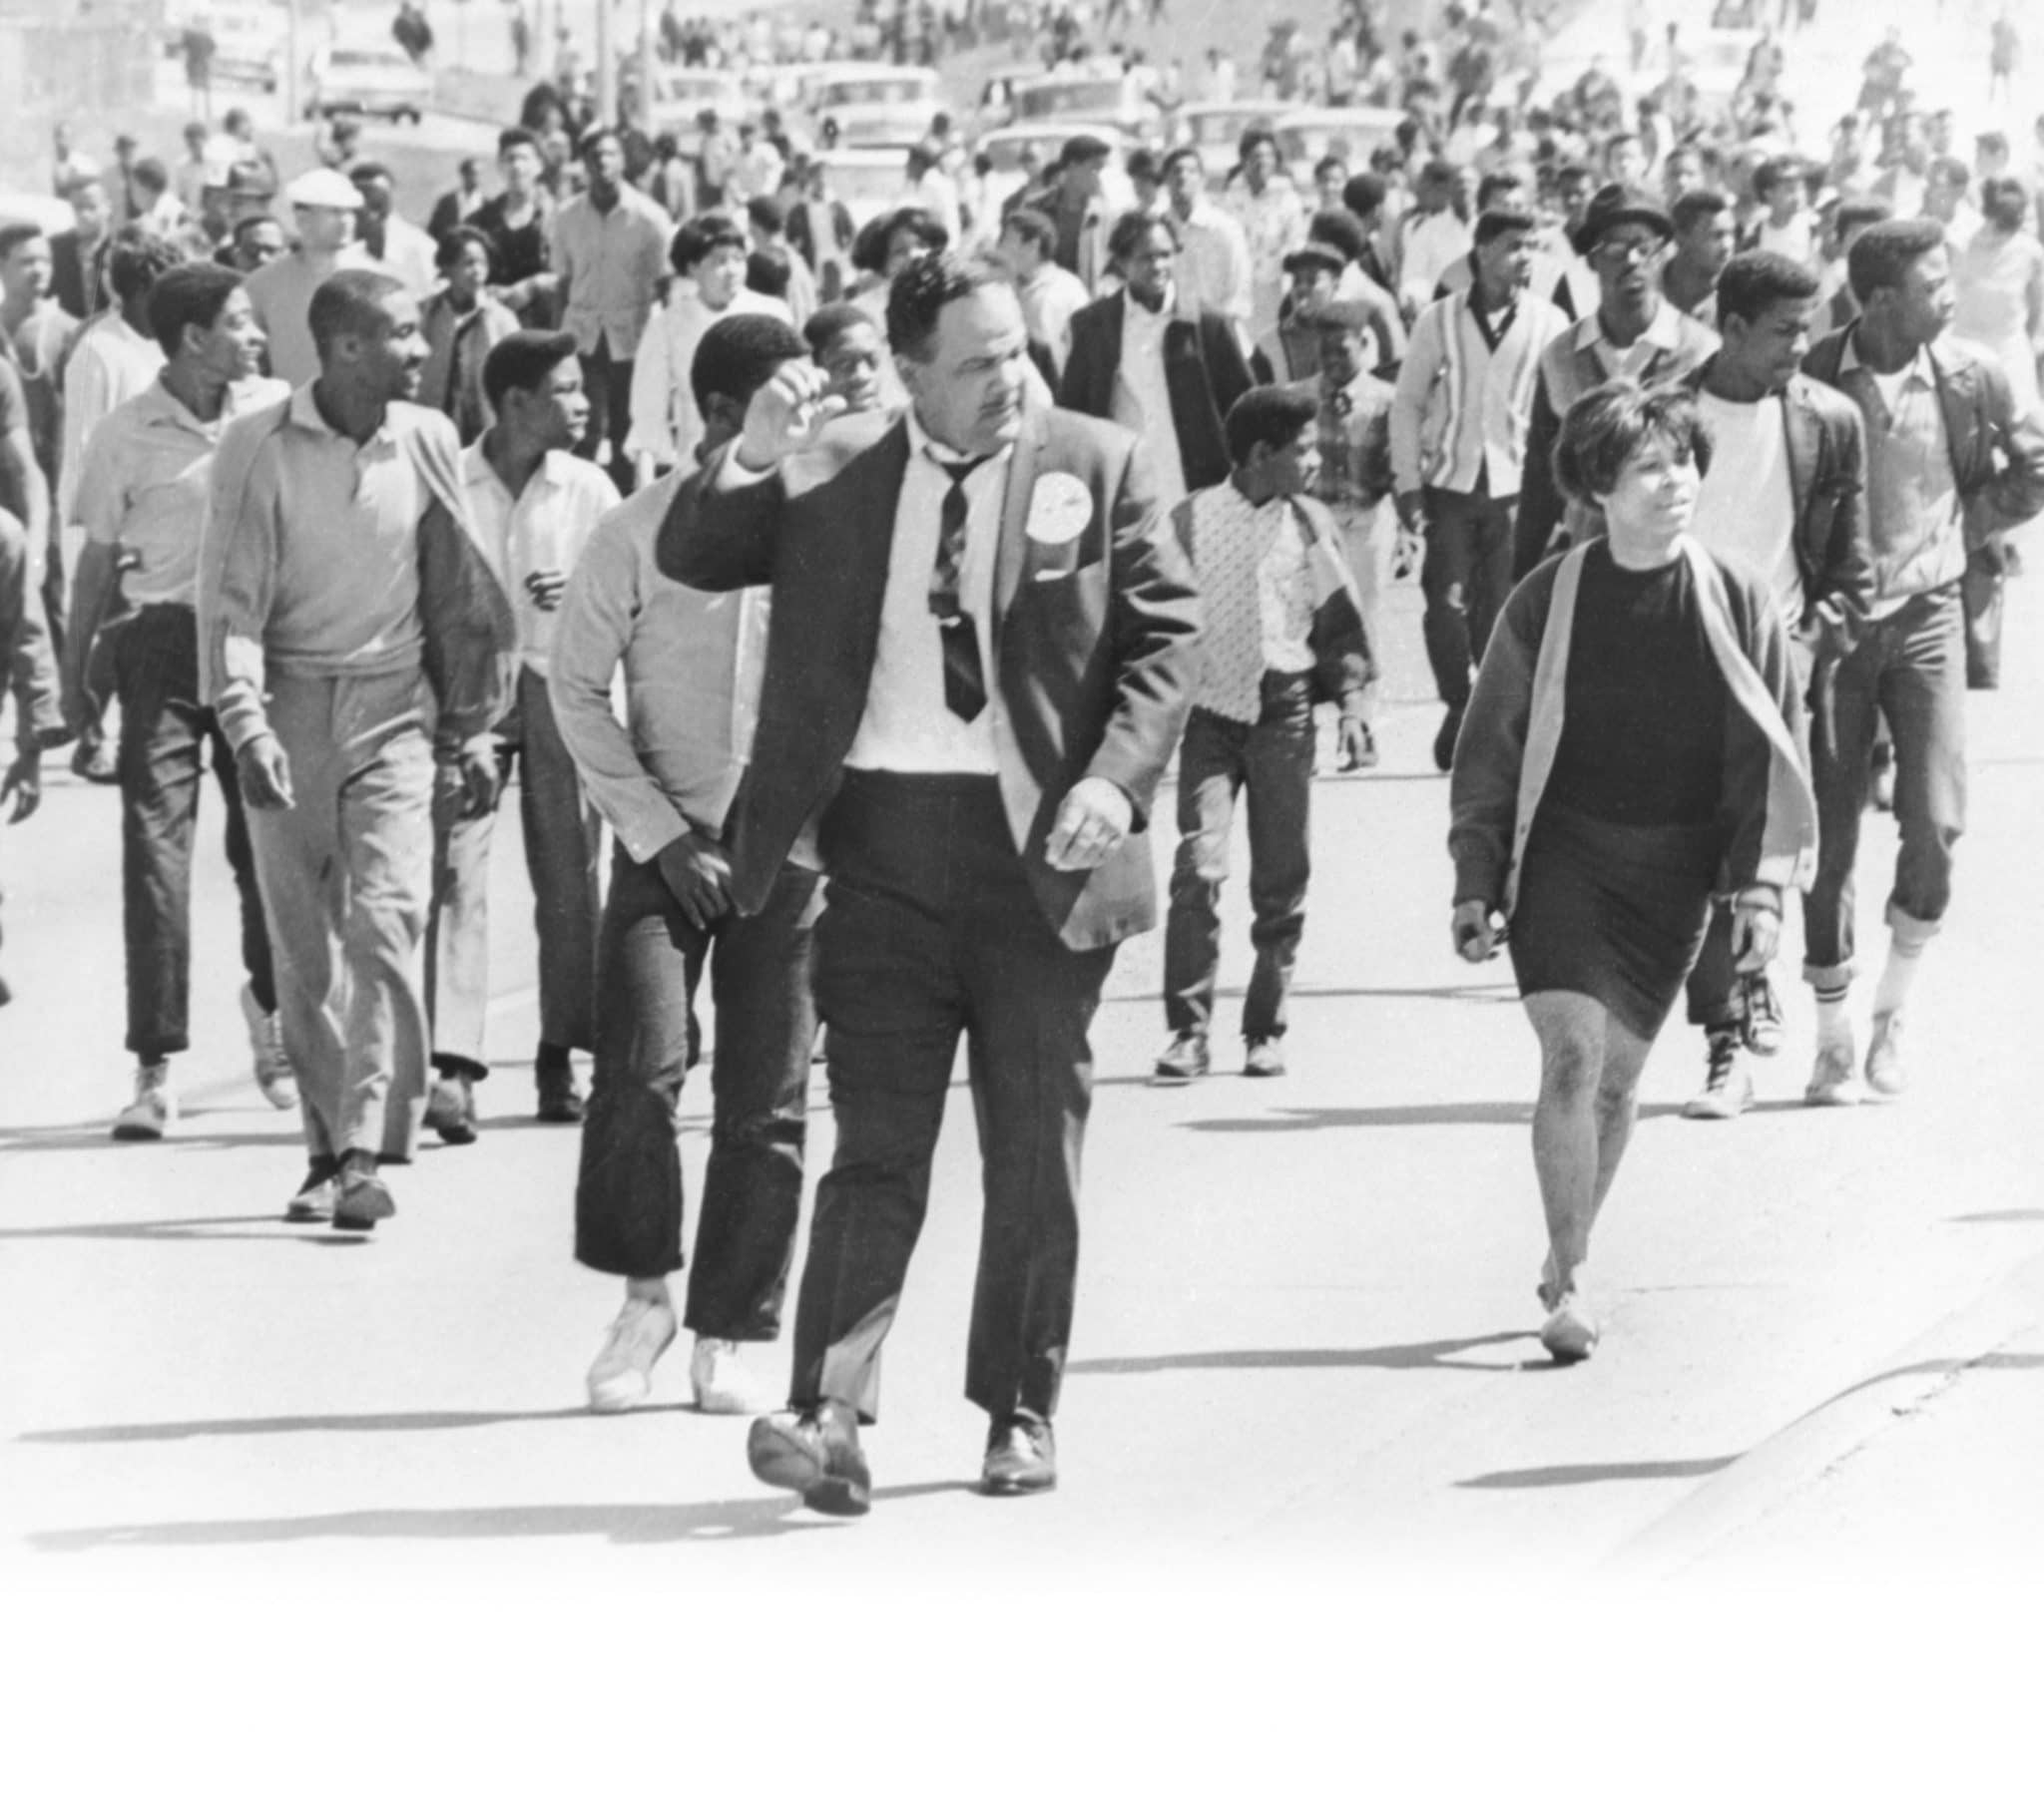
1110, 901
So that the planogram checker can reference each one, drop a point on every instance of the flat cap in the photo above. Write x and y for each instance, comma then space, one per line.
322, 189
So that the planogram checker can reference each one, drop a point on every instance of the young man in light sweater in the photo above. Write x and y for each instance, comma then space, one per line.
1459, 423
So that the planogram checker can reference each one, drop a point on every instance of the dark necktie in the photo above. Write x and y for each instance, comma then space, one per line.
964, 677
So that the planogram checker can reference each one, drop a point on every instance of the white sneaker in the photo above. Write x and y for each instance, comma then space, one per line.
1834, 1082
153, 1110
1570, 1331
266, 1045
1727, 1082
723, 1382
622, 1376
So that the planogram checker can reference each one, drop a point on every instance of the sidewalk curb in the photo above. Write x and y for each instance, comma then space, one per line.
1790, 1460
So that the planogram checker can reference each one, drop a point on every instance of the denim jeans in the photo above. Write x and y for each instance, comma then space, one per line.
1465, 579
1272, 759
608, 380
166, 741
1912, 668
628, 1194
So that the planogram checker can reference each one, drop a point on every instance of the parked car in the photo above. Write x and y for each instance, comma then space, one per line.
875, 104
867, 180
1307, 134
1215, 128
374, 79
248, 38
1085, 100
681, 93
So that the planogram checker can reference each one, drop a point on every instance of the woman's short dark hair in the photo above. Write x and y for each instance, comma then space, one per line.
928, 229
923, 292
738, 353
523, 361
189, 295
1134, 228
1751, 284
831, 323
457, 239
695, 239
2004, 203
1605, 428
1270, 415
1881, 255
135, 260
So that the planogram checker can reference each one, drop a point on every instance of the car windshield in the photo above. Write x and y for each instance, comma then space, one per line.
1223, 128
883, 91
673, 86
369, 59
1069, 97
1309, 143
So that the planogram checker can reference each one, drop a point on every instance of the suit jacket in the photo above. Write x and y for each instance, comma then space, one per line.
1203, 370
1568, 368
77, 280
1095, 647
1827, 473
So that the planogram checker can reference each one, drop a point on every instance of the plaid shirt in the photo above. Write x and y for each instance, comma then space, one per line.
1356, 445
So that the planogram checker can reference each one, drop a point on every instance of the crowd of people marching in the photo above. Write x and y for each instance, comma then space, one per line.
860, 581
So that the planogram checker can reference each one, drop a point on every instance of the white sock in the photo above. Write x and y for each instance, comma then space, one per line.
1896, 977
1833, 1026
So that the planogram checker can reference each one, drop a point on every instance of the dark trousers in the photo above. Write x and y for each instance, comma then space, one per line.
628, 1194
1465, 578
1911, 668
930, 930
167, 739
609, 382
1220, 760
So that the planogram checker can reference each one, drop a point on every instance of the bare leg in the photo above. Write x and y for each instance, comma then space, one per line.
1571, 1029
1617, 1099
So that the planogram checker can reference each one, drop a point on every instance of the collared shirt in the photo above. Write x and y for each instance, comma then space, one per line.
281, 295
611, 264
543, 529
143, 485
907, 726
1142, 397
1273, 224
1746, 505
1251, 566
1465, 404
1662, 334
693, 664
348, 593
1430, 244
1353, 428
109, 364
410, 255
1913, 513
1214, 261
1049, 300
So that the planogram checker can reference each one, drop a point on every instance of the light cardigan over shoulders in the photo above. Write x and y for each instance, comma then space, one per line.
1514, 723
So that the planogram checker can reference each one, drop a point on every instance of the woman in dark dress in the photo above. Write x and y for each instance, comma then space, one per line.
1630, 753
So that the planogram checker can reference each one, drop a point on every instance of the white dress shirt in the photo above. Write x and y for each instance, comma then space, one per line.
543, 529
1142, 399
1746, 505
907, 726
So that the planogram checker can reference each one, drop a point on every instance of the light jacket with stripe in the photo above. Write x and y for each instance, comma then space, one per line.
1513, 730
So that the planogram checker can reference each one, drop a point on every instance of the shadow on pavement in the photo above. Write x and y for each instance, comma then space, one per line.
2006, 1215
1440, 1353
275, 1228
413, 1421
1330, 1118
621, 1524
91, 1134
1550, 1477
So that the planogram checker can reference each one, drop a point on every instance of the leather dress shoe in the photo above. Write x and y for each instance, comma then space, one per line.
450, 1108
1021, 1458
362, 1197
560, 1100
817, 1454
317, 1194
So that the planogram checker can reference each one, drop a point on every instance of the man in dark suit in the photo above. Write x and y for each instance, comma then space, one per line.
1151, 359
981, 654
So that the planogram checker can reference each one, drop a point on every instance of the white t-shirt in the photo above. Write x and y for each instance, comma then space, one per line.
1746, 510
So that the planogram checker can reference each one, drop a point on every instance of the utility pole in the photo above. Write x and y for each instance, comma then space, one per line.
647, 67
606, 66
